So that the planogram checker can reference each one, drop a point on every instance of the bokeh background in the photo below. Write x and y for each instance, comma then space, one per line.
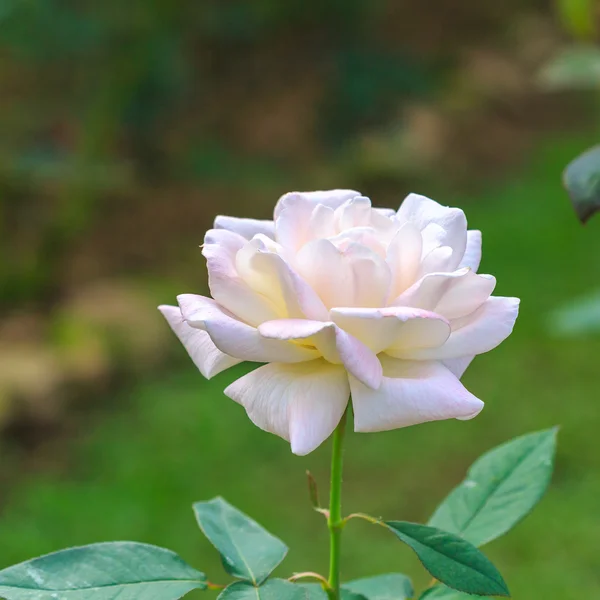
127, 126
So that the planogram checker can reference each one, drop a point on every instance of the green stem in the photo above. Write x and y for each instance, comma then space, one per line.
335, 521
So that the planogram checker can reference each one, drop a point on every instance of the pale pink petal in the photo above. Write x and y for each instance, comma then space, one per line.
247, 228
300, 403
386, 212
330, 198
458, 366
353, 276
438, 260
480, 332
393, 329
451, 222
472, 256
270, 276
404, 258
235, 338
226, 286
336, 345
365, 236
355, 212
465, 295
322, 222
293, 222
411, 393
452, 295
206, 356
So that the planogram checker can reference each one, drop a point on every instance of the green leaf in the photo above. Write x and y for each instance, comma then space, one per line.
248, 551
123, 570
314, 591
274, 589
450, 559
393, 586
574, 68
581, 179
578, 16
501, 488
580, 317
441, 592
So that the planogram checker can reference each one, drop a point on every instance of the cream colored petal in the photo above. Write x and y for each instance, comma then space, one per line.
451, 223
354, 276
235, 338
226, 286
300, 403
404, 258
206, 356
270, 276
411, 393
393, 329
336, 345
452, 295
330, 198
472, 257
480, 332
247, 228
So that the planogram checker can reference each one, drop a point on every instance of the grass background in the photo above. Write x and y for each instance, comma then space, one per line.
151, 450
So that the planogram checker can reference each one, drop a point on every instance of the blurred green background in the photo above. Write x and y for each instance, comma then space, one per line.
127, 126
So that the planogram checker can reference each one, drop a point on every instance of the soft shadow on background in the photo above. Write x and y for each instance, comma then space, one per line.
127, 126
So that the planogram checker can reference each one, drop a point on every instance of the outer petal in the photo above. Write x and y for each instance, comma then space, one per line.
236, 338
270, 276
300, 403
472, 256
480, 332
247, 228
336, 345
458, 366
411, 393
354, 276
452, 295
451, 222
226, 286
394, 328
206, 356
331, 198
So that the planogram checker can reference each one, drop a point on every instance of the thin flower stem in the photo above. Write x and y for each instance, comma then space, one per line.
335, 521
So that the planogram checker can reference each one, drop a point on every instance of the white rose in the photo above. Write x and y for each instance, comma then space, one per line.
342, 299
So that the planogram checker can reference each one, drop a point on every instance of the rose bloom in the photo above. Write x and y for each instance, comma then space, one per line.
343, 300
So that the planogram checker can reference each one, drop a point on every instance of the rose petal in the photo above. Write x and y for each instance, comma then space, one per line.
331, 198
480, 332
394, 328
300, 403
270, 276
336, 345
226, 286
247, 228
404, 258
354, 276
458, 366
472, 256
206, 356
235, 338
452, 295
411, 393
451, 221
438, 260
355, 212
